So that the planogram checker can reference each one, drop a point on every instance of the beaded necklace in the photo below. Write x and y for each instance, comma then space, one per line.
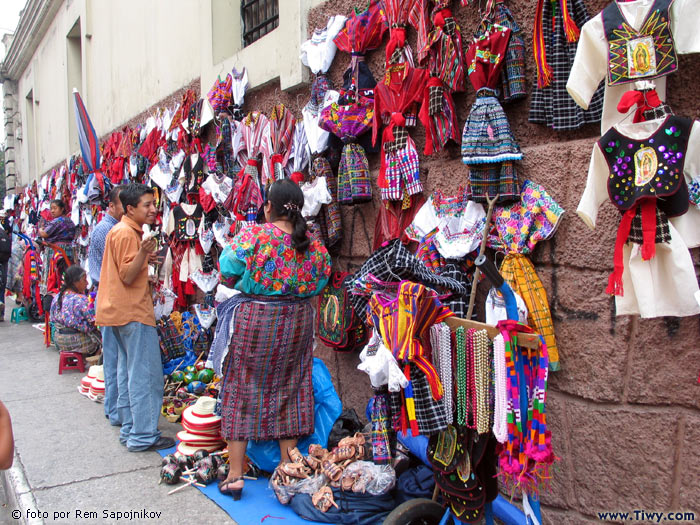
500, 408
461, 376
445, 345
482, 379
470, 419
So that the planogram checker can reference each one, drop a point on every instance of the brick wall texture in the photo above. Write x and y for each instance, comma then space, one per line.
625, 408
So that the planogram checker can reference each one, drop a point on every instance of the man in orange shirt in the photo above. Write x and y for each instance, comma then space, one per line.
125, 310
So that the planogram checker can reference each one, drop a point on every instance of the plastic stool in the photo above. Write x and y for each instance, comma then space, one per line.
63, 363
19, 314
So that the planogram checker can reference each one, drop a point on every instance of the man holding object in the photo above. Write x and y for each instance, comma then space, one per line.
125, 310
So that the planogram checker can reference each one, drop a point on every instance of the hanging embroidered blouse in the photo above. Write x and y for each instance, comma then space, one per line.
260, 260
282, 123
218, 186
660, 281
631, 41
239, 85
205, 281
185, 222
192, 173
316, 194
318, 52
220, 94
299, 154
257, 139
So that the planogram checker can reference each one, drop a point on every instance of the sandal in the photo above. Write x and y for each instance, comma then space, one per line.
235, 493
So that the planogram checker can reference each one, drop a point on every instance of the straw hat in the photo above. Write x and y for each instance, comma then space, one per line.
97, 387
187, 450
194, 439
200, 416
86, 381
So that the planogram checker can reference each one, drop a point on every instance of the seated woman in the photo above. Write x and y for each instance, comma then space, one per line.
73, 317
61, 229
265, 357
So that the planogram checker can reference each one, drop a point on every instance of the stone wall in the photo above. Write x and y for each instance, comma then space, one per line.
625, 408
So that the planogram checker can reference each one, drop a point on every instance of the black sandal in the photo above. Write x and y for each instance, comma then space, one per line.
234, 493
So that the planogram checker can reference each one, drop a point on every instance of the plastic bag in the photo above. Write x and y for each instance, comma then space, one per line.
327, 408
346, 425
365, 476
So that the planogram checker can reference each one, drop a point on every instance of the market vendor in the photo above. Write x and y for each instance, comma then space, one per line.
61, 229
267, 392
74, 319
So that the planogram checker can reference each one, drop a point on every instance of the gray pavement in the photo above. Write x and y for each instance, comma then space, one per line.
68, 460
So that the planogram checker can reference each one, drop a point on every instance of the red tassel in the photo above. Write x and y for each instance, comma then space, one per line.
615, 284
570, 28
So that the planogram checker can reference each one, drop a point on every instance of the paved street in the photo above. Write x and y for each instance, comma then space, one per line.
68, 459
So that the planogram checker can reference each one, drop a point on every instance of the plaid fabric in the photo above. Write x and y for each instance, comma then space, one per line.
553, 106
267, 391
457, 302
520, 274
430, 415
84, 343
171, 346
513, 77
353, 176
435, 100
402, 172
662, 231
400, 140
494, 179
330, 219
487, 136
394, 262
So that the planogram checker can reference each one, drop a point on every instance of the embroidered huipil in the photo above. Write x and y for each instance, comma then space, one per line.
629, 161
182, 258
299, 154
261, 260
75, 312
631, 41
257, 138
239, 85
401, 323
399, 93
518, 228
282, 122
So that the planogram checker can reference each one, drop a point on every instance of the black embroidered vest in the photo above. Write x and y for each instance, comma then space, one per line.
186, 226
639, 55
651, 168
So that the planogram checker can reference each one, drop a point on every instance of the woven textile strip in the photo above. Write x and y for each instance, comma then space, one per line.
353, 176
520, 274
381, 450
267, 391
489, 180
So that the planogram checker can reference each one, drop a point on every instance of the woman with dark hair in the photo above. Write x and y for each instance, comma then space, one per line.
72, 316
61, 229
263, 344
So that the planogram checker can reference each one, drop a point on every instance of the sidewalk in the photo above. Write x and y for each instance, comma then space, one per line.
69, 466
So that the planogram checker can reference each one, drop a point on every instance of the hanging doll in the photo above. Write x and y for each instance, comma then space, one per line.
446, 66
628, 42
488, 146
513, 82
282, 124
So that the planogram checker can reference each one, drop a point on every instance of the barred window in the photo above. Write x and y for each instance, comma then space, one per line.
259, 18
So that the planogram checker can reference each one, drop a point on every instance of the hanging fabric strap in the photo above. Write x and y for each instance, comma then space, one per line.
544, 71
397, 40
570, 28
644, 100
648, 208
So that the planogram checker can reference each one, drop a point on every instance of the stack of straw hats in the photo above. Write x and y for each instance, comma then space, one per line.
201, 428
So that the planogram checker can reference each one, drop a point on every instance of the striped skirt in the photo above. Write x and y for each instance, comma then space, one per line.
267, 390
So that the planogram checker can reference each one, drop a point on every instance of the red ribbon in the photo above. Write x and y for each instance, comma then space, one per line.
644, 100
440, 16
397, 39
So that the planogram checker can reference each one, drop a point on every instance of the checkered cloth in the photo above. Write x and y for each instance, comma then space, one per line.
393, 263
400, 140
490, 180
520, 274
68, 340
553, 106
663, 233
354, 185
658, 112
457, 302
402, 172
430, 415
435, 100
